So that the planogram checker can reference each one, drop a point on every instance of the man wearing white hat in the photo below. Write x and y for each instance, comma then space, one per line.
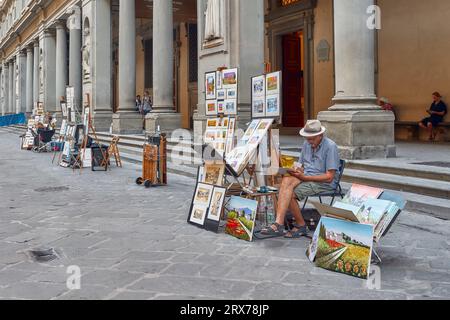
319, 173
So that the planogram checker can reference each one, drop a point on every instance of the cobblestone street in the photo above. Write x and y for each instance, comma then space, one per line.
133, 243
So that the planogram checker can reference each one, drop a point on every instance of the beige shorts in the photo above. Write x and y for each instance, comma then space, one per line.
309, 189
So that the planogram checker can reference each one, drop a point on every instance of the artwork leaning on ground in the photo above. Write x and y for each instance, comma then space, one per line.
344, 247
241, 215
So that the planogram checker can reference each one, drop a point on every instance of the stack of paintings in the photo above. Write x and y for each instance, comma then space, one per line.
238, 159
344, 239
207, 204
219, 134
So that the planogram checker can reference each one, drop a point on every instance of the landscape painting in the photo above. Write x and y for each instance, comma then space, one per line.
344, 247
210, 85
241, 218
229, 78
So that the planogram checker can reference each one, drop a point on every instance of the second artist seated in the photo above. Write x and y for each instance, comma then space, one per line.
319, 173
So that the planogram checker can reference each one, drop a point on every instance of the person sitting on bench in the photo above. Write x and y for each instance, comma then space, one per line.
437, 112
319, 173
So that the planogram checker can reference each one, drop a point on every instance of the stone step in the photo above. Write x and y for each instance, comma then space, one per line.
403, 169
428, 187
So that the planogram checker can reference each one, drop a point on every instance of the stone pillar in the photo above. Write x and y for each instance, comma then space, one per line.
241, 45
163, 113
355, 122
29, 85
12, 87
5, 74
21, 82
49, 70
74, 26
6, 87
36, 85
61, 65
127, 120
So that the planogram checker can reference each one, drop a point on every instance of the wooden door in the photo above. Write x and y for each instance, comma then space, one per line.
293, 114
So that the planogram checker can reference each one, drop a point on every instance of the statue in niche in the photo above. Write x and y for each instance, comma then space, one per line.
86, 52
212, 21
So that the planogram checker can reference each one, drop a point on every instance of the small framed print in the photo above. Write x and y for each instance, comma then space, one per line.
220, 107
273, 106
258, 107
212, 123
230, 107
210, 85
273, 81
198, 214
231, 94
221, 94
64, 109
216, 206
211, 107
214, 173
219, 80
230, 78
203, 194
259, 86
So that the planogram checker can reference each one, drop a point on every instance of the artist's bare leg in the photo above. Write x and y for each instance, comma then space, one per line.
296, 212
285, 197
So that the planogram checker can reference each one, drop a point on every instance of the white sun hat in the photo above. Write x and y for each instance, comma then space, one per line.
313, 128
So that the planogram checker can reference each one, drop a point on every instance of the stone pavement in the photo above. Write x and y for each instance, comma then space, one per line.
132, 243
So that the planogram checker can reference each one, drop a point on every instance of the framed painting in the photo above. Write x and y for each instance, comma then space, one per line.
217, 201
273, 83
211, 108
230, 78
230, 107
210, 85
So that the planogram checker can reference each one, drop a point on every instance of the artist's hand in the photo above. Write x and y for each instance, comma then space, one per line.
297, 174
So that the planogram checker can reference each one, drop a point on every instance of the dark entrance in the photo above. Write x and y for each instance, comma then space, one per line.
293, 80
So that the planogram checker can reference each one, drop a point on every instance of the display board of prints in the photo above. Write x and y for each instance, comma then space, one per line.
219, 134
238, 159
221, 92
266, 95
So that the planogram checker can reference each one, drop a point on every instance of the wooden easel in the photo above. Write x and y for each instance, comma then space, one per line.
113, 150
91, 130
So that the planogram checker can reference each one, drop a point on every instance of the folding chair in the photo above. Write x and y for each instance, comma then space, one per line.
338, 192
42, 139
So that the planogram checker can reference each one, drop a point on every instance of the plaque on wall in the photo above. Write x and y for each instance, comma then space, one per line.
323, 51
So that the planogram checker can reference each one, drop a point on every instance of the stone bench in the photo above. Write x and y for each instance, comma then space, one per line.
413, 130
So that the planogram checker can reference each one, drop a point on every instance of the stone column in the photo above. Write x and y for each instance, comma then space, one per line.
49, 70
21, 82
36, 84
29, 86
355, 122
127, 120
61, 64
163, 113
13, 97
5, 74
74, 26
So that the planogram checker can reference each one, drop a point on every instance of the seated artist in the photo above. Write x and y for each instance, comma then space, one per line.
321, 162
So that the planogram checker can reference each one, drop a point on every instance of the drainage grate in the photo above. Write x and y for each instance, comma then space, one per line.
44, 254
51, 189
435, 164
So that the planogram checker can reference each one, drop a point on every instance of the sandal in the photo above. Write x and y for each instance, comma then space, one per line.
271, 232
301, 231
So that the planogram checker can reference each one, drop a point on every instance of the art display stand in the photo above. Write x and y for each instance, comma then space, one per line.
232, 183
